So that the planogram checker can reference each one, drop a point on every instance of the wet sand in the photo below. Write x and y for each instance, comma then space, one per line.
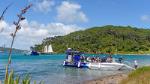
113, 79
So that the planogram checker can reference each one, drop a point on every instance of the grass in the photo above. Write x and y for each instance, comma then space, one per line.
11, 79
9, 76
139, 76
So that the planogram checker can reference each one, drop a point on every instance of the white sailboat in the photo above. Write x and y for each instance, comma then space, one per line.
45, 49
48, 49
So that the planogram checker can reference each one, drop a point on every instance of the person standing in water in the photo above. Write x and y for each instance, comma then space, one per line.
135, 64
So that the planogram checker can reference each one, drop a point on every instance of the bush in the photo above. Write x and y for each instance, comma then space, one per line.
139, 76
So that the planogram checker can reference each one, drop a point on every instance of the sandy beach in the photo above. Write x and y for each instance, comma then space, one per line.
113, 79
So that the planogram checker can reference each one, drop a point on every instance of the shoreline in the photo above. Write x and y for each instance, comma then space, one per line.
125, 54
130, 54
112, 79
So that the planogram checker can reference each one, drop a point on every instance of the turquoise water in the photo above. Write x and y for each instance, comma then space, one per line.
49, 68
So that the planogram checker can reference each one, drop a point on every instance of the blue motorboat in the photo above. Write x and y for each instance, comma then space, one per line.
73, 59
34, 53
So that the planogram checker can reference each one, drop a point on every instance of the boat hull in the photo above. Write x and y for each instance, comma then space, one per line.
46, 53
98, 66
34, 53
77, 65
106, 66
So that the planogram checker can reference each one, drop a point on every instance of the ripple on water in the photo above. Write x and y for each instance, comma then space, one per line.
50, 69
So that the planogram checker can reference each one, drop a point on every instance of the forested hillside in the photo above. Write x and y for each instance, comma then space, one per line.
114, 39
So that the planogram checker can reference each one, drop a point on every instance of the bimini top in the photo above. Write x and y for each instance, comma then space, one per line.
70, 52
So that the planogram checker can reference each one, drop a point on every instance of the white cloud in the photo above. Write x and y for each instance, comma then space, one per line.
33, 32
3, 25
145, 18
43, 5
70, 12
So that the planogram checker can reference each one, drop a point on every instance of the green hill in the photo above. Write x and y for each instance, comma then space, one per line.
114, 39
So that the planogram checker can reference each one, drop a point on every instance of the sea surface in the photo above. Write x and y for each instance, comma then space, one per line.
49, 69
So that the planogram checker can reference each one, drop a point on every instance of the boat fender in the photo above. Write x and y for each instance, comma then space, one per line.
79, 64
64, 63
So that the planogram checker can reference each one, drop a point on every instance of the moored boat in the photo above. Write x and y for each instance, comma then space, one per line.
76, 59
33, 53
47, 50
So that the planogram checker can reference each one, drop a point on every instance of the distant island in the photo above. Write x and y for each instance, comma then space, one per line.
6, 50
106, 39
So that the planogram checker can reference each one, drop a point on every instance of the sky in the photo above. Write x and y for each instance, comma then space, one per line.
49, 18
